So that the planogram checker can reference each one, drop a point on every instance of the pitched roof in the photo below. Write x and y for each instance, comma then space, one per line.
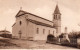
4, 31
21, 12
57, 11
40, 23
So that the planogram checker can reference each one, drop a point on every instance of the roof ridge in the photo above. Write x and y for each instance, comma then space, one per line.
34, 15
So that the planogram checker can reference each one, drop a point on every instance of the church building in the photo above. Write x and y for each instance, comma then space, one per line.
32, 27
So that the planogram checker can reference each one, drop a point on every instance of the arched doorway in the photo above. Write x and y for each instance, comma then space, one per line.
50, 38
20, 33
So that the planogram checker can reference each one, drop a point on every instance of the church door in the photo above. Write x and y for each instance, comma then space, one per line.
20, 34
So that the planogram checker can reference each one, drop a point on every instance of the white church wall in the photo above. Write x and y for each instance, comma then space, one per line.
15, 30
17, 27
23, 27
30, 30
43, 36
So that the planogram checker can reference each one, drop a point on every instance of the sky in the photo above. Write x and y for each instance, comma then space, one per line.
70, 10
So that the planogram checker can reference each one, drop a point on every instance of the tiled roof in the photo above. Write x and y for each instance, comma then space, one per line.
24, 12
40, 23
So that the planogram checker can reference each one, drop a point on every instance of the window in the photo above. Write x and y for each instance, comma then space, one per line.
54, 16
43, 31
53, 32
20, 22
37, 30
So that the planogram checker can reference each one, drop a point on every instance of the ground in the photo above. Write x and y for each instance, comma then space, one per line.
24, 44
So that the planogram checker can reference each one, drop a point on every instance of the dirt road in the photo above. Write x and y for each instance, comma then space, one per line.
24, 44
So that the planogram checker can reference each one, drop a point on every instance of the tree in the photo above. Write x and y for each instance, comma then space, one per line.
61, 36
73, 35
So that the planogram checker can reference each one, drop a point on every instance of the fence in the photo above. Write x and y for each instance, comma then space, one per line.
72, 43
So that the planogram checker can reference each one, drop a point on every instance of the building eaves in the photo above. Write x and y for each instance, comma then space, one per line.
40, 23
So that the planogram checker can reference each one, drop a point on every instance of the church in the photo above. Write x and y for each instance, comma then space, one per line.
32, 27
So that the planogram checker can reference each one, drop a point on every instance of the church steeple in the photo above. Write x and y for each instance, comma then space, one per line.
57, 14
57, 11
57, 20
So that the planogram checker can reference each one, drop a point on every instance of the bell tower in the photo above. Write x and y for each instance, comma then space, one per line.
57, 20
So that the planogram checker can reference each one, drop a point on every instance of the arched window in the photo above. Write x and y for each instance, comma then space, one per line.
53, 32
20, 22
37, 30
56, 17
43, 31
